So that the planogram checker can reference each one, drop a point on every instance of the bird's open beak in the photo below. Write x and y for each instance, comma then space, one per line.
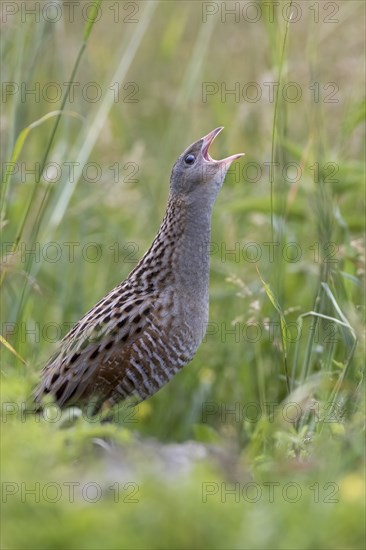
206, 142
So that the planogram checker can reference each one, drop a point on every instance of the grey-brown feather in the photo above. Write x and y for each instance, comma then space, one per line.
142, 332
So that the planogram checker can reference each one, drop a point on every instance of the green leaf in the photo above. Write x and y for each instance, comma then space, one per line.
205, 433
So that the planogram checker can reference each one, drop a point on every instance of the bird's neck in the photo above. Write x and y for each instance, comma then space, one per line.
191, 228
179, 255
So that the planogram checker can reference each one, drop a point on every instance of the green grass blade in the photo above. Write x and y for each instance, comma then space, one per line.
274, 125
92, 16
283, 327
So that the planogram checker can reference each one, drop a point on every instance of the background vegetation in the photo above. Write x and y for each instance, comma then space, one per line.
259, 443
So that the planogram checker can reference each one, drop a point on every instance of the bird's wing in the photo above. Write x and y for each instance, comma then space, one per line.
102, 336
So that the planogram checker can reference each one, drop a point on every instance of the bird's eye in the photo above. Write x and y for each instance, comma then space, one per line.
190, 159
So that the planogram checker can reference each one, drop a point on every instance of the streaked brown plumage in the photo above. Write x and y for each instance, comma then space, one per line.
146, 329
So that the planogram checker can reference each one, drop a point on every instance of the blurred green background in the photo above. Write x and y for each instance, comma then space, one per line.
259, 442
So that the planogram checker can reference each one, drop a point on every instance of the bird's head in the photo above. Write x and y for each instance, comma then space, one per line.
195, 173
